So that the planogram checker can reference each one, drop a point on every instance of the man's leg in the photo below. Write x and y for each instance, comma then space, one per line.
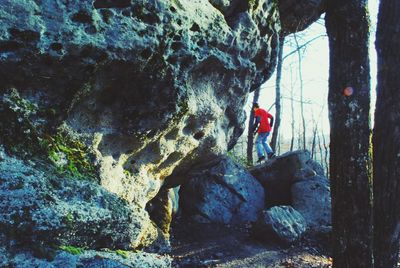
259, 146
266, 146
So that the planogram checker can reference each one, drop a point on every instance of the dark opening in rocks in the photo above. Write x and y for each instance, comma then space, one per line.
176, 45
26, 35
82, 16
195, 28
148, 18
56, 46
199, 135
9, 46
106, 15
111, 3
90, 29
126, 13
172, 60
201, 43
146, 53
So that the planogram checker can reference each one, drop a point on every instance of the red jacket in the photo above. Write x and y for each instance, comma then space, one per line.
264, 122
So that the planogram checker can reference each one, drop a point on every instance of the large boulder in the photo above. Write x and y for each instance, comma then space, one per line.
38, 207
146, 86
224, 192
281, 223
278, 175
312, 198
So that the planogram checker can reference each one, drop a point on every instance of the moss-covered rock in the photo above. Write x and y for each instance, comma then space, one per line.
40, 207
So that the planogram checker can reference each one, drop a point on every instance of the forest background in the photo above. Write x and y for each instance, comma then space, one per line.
304, 82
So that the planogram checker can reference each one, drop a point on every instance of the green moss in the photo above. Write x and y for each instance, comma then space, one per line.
123, 253
127, 173
21, 134
69, 155
73, 250
17, 132
69, 219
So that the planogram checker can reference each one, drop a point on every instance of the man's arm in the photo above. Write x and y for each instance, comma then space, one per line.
256, 124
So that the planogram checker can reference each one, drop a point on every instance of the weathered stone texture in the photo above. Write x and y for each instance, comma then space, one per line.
223, 192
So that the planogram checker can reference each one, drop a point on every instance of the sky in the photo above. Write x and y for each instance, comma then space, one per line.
315, 70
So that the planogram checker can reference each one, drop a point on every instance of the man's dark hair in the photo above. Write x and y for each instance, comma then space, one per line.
255, 105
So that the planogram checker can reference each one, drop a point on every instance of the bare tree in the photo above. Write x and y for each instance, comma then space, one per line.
321, 150
314, 137
303, 120
347, 25
326, 151
292, 122
278, 109
386, 138
250, 135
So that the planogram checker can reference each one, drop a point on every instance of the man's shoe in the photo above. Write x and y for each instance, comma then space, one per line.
261, 158
271, 155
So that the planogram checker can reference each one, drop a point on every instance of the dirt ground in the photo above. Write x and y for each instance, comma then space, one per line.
214, 245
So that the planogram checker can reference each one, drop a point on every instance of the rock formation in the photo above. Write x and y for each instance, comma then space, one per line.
280, 223
291, 180
121, 94
222, 192
145, 86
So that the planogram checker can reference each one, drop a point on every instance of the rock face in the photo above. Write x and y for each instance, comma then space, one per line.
290, 179
312, 199
223, 193
145, 86
120, 94
278, 174
296, 15
281, 223
46, 208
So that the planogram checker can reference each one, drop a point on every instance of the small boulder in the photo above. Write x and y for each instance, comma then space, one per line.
224, 192
281, 223
313, 200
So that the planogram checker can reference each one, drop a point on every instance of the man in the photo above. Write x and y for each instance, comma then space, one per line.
263, 127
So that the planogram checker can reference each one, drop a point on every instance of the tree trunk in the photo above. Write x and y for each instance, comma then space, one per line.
292, 122
278, 110
348, 32
386, 138
250, 136
303, 120
326, 153
313, 142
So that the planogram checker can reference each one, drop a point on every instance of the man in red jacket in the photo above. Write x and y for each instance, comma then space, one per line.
263, 127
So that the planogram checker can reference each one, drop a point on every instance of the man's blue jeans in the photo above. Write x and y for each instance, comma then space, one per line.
261, 143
